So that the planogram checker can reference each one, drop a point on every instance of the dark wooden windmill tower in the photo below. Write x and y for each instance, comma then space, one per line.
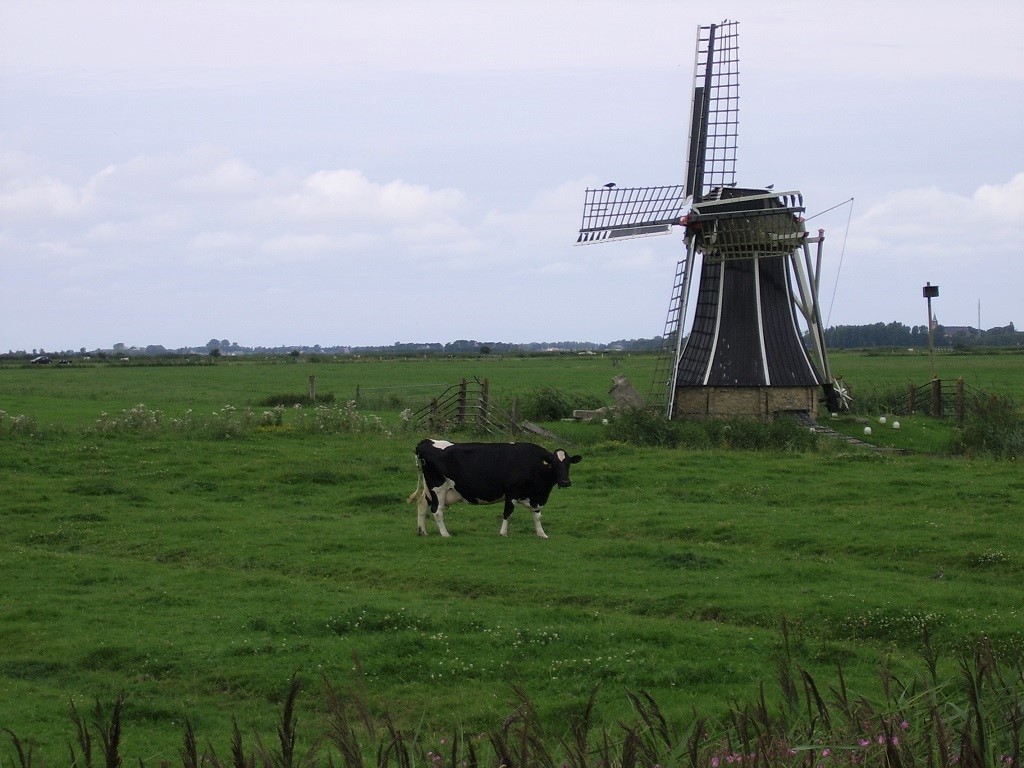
745, 353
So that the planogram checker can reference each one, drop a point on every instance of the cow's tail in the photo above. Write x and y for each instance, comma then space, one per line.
421, 484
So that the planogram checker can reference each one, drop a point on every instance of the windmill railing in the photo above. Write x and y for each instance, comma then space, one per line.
467, 406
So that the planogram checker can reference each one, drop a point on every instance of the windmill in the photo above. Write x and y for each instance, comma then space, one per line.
744, 354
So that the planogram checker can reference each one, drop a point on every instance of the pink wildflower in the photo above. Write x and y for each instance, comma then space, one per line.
715, 762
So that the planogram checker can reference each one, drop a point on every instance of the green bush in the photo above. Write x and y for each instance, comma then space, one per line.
879, 398
992, 425
640, 426
550, 404
19, 424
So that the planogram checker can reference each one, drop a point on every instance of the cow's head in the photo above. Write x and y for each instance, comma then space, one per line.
560, 462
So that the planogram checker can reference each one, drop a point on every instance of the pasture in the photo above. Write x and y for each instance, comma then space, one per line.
199, 570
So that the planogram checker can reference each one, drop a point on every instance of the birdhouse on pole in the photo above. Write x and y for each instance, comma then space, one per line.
929, 292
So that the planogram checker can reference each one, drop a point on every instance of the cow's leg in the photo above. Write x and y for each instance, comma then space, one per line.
510, 507
536, 523
441, 499
439, 519
421, 511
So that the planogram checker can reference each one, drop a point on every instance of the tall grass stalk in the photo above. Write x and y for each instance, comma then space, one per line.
971, 722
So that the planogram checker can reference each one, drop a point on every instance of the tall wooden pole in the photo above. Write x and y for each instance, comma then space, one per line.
929, 291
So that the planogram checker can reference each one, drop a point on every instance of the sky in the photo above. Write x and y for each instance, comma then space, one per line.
364, 172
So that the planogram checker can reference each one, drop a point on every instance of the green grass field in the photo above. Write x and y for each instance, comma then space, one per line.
199, 573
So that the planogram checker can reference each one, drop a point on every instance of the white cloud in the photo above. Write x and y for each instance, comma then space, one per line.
943, 225
221, 241
26, 193
966, 244
303, 246
1002, 203
346, 195
230, 176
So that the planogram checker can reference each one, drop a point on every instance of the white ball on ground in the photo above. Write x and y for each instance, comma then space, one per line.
881, 419
867, 430
895, 425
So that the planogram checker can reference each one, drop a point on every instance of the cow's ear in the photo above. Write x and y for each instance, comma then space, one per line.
575, 459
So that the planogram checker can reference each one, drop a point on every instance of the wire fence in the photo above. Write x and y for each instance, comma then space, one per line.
467, 406
938, 398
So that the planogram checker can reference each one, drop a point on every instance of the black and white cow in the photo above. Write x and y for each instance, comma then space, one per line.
486, 473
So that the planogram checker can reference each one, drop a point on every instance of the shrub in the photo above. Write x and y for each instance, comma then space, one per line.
137, 420
19, 424
228, 422
992, 425
880, 398
550, 404
338, 419
640, 426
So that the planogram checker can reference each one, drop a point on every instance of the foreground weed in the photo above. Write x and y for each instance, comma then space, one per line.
993, 425
231, 422
975, 722
18, 424
640, 426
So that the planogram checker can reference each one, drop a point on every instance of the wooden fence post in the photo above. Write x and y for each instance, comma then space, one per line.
483, 404
960, 406
312, 389
432, 419
460, 413
937, 398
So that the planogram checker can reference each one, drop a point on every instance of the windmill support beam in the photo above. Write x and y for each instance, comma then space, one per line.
808, 278
681, 309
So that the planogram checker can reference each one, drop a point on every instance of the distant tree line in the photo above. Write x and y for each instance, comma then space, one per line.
900, 335
837, 337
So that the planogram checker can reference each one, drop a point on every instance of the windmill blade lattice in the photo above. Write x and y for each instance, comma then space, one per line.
620, 213
714, 117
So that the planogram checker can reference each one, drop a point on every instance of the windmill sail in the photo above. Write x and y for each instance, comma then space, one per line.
618, 213
714, 114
